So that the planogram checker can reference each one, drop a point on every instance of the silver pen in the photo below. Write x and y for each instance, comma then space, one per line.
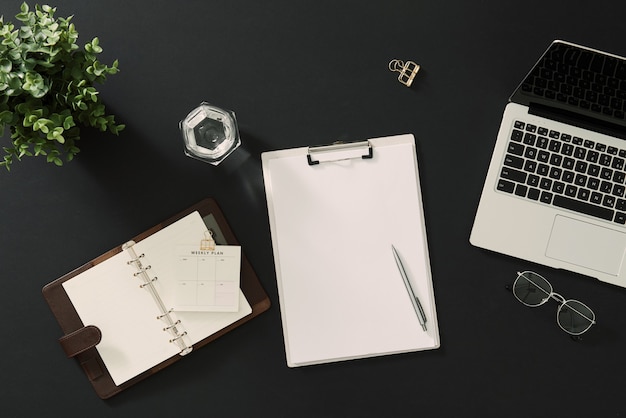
419, 310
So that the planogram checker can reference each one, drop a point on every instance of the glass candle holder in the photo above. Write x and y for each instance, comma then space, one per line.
210, 133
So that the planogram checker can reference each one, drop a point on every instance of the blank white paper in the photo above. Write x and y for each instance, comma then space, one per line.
340, 291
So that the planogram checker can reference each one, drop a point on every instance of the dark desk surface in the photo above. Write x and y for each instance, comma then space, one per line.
296, 74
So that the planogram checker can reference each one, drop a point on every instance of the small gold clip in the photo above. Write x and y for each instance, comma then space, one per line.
407, 71
207, 243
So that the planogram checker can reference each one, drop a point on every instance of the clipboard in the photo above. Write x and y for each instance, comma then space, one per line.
335, 212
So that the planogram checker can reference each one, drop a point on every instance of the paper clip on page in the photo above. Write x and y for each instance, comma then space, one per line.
339, 151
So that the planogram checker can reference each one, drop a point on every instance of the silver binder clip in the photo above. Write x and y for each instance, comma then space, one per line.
407, 70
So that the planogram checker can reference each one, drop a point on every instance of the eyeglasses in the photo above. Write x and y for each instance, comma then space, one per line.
533, 290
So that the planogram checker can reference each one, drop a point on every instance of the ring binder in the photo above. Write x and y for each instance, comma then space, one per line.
339, 151
114, 346
173, 326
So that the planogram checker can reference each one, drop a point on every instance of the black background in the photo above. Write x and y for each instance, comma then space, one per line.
301, 73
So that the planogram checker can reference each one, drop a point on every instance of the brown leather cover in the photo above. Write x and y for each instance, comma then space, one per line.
80, 340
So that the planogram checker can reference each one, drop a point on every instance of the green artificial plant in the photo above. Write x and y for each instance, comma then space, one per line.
47, 86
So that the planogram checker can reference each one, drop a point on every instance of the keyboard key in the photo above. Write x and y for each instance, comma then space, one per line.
530, 153
558, 187
580, 153
606, 173
545, 184
533, 194
583, 207
580, 167
593, 156
515, 148
583, 194
543, 156
618, 163
605, 160
520, 190
529, 139
568, 176
513, 161
542, 142
555, 173
593, 170
530, 166
608, 201
546, 197
556, 159
554, 146
571, 191
567, 149
596, 198
517, 135
512, 174
505, 186
620, 218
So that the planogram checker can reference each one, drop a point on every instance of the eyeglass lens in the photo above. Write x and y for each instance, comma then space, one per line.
532, 289
575, 317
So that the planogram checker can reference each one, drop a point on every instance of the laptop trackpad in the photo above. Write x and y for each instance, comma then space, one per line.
586, 245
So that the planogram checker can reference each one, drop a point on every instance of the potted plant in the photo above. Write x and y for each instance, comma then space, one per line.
47, 86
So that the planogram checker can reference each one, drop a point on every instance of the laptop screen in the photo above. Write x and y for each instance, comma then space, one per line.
578, 86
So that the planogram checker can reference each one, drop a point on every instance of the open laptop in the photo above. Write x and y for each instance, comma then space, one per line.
555, 192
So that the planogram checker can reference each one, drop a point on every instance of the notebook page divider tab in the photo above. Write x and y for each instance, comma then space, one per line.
173, 326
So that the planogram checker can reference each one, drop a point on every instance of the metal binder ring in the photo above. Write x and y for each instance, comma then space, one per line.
169, 327
142, 270
134, 260
178, 337
163, 315
147, 283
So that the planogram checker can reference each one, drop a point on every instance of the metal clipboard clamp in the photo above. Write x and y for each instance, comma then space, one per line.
339, 151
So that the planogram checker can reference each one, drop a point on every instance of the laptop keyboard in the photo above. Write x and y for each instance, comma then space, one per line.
562, 170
